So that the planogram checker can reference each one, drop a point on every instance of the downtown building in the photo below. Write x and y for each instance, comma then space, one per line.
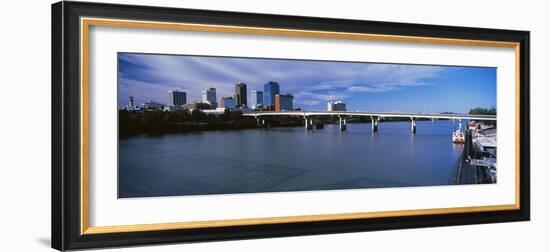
209, 96
270, 90
240, 95
176, 98
196, 105
283, 102
151, 105
336, 106
131, 105
257, 99
227, 102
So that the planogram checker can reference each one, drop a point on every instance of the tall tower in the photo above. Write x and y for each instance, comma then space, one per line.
270, 90
240, 94
176, 98
257, 98
209, 96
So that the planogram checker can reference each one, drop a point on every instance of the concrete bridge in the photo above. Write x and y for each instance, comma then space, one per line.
375, 116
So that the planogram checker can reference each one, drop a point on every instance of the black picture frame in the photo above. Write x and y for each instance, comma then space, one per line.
66, 125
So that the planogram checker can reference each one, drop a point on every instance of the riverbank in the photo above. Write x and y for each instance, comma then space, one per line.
160, 122
156, 122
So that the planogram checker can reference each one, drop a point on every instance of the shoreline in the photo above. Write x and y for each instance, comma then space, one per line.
176, 128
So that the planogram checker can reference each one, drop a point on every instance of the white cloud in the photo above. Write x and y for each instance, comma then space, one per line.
311, 82
307, 98
368, 89
310, 102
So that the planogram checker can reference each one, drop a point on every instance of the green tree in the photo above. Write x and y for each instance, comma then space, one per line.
181, 116
483, 111
236, 116
197, 115
155, 116
226, 117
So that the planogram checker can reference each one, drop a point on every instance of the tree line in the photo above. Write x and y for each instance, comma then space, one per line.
159, 122
483, 111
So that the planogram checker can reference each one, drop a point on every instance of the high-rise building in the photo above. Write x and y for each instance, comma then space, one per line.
257, 99
209, 96
270, 90
240, 95
131, 105
227, 102
283, 102
176, 98
336, 106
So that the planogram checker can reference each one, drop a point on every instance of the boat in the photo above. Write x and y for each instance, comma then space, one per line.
473, 126
458, 135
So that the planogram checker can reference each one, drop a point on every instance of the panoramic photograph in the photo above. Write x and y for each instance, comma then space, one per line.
204, 125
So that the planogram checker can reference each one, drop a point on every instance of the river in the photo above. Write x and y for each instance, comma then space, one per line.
287, 159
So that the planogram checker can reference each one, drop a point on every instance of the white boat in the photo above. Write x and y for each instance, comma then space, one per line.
458, 135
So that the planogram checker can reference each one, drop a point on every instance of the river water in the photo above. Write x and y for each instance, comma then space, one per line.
287, 159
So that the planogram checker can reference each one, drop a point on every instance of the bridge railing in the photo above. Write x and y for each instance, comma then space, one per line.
307, 113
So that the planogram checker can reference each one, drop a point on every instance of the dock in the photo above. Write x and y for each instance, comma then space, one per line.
469, 169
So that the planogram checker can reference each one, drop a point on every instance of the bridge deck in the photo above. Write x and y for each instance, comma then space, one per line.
374, 114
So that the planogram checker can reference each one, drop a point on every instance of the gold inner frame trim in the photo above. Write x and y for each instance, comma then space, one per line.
289, 219
85, 24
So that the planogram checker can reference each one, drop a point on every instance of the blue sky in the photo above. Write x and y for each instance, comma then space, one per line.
363, 86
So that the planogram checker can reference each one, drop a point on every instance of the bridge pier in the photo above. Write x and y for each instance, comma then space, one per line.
260, 122
308, 123
374, 123
413, 125
343, 124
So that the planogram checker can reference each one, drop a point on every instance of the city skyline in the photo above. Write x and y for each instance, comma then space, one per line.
362, 86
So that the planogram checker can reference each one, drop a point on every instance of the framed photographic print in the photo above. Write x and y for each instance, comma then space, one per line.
181, 125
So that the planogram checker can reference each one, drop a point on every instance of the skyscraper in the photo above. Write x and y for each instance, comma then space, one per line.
240, 95
283, 102
176, 98
209, 96
270, 90
257, 99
